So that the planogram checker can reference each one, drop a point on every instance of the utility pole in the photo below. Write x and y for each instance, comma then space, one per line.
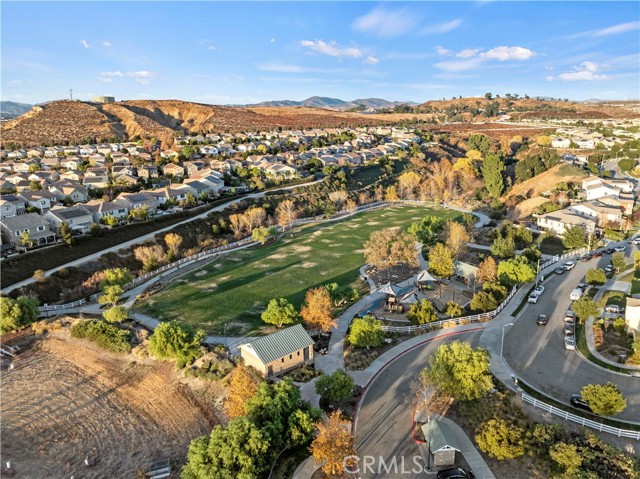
71, 94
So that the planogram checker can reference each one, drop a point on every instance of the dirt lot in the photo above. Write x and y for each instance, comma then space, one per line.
66, 400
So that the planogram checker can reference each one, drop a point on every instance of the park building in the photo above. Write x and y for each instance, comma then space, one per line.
104, 99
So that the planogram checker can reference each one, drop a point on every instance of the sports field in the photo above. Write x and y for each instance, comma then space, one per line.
235, 289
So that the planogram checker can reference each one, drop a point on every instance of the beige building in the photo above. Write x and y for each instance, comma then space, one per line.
632, 315
279, 352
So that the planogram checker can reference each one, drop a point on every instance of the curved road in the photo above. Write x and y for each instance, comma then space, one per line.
537, 353
385, 417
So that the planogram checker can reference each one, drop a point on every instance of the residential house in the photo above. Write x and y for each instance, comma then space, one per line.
42, 200
148, 171
12, 205
124, 170
38, 230
101, 209
624, 202
69, 189
96, 181
74, 175
558, 221
77, 217
173, 169
560, 143
193, 167
71, 163
48, 163
596, 188
134, 201
278, 352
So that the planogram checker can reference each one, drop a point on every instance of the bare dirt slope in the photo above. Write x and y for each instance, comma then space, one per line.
546, 181
67, 400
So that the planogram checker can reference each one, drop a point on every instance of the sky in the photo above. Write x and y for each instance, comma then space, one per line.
246, 52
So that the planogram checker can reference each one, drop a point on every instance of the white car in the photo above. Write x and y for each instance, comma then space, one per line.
636, 241
569, 343
576, 294
569, 265
533, 298
539, 289
619, 249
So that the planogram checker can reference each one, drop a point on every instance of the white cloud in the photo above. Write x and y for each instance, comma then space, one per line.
371, 60
332, 49
386, 23
141, 77
106, 44
211, 48
273, 40
442, 51
290, 68
508, 53
585, 71
468, 53
111, 74
442, 27
84, 43
105, 79
620, 28
459, 65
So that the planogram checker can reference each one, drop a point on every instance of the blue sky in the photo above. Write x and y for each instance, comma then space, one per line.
241, 52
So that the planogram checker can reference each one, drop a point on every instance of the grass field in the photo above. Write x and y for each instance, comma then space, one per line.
235, 289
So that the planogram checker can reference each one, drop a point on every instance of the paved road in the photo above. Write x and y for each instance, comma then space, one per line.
384, 422
537, 353
141, 239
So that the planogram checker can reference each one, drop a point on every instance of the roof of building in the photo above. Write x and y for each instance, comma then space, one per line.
70, 212
567, 217
439, 436
389, 288
21, 222
279, 344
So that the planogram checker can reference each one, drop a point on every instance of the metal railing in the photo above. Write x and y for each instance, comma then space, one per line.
579, 419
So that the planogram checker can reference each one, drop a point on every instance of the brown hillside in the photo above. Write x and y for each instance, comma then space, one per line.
66, 121
546, 181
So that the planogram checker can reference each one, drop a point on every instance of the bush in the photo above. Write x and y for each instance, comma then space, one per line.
335, 387
105, 335
175, 340
500, 440
366, 333
566, 456
619, 324
117, 314
422, 312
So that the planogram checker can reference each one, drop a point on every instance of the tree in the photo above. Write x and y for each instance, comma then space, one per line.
516, 270
279, 312
176, 340
66, 234
116, 276
618, 260
286, 213
441, 261
149, 256
333, 445
478, 143
574, 237
39, 275
457, 238
391, 193
585, 308
596, 276
339, 197
504, 247
261, 234
567, 457
458, 370
407, 184
236, 224
492, 169
254, 217
422, 312
25, 239
190, 201
487, 270
388, 247
16, 313
140, 214
604, 400
500, 440
316, 311
335, 387
173, 242
110, 294
428, 230
453, 309
543, 140
116, 314
241, 387
366, 332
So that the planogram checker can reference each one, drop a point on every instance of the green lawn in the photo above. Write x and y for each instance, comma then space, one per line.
613, 297
236, 288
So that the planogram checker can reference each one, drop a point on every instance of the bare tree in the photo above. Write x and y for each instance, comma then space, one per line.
286, 213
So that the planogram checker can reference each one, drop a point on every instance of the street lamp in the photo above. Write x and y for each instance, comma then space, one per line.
502, 342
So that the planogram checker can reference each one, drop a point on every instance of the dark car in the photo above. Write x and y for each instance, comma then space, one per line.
597, 254
608, 251
455, 473
569, 329
542, 319
560, 270
586, 257
577, 401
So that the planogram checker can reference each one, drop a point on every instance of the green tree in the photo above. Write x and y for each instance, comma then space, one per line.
261, 234
441, 261
66, 234
428, 230
175, 340
567, 457
500, 440
604, 400
596, 276
366, 332
459, 370
390, 246
116, 314
116, 276
503, 247
574, 237
453, 309
279, 312
492, 169
585, 308
422, 312
16, 313
479, 143
618, 261
190, 201
516, 270
335, 387
25, 239
483, 301
110, 294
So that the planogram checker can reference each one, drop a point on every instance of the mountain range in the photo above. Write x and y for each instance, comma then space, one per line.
371, 105
11, 109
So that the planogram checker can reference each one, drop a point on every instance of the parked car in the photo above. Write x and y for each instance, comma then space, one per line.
455, 473
569, 329
560, 270
543, 319
619, 249
597, 254
569, 343
569, 265
569, 316
586, 257
614, 308
576, 294
577, 401
636, 241
539, 289
609, 269
533, 298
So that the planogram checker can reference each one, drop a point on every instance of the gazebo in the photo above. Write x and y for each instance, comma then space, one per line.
407, 300
392, 291
425, 279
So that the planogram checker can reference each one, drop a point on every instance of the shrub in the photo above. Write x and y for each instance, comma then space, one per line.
619, 324
117, 314
366, 333
335, 387
105, 335
566, 456
500, 440
175, 340
422, 312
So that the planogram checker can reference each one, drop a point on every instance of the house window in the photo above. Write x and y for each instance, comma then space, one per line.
282, 360
298, 353
17, 233
40, 228
291, 356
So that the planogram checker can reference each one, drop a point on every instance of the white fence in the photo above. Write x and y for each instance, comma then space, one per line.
450, 322
579, 419
557, 258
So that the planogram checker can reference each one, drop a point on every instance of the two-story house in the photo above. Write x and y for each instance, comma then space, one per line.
26, 231
78, 218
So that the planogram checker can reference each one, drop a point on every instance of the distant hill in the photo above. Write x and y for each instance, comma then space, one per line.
371, 105
11, 109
